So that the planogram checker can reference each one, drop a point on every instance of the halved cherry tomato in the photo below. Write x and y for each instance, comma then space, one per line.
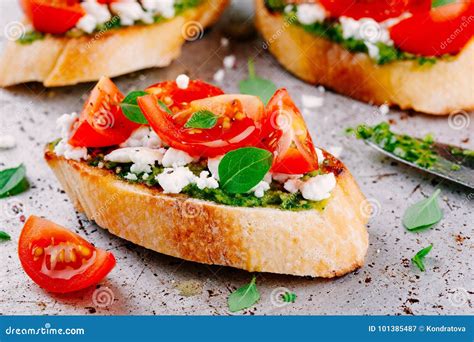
285, 134
102, 122
237, 124
177, 98
443, 30
59, 260
378, 10
53, 16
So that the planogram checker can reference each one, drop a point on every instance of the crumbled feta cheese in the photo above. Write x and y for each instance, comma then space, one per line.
87, 23
213, 166
224, 42
260, 188
308, 14
7, 142
320, 155
174, 180
175, 158
319, 187
283, 177
65, 123
100, 12
205, 181
310, 101
321, 89
366, 29
373, 50
145, 176
293, 185
182, 81
219, 76
143, 136
130, 11
384, 109
336, 151
229, 61
143, 158
131, 176
163, 7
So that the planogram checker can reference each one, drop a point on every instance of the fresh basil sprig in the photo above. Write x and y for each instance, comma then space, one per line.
202, 119
244, 297
13, 181
165, 107
4, 236
242, 169
423, 214
420, 256
257, 86
131, 109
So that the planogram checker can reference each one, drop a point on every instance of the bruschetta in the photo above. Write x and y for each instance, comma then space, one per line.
400, 53
185, 170
68, 42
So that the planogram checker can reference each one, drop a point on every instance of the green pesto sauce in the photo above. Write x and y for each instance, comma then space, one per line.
417, 151
114, 23
332, 30
275, 197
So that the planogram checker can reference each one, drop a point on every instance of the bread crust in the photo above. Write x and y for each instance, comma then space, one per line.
313, 243
438, 89
60, 61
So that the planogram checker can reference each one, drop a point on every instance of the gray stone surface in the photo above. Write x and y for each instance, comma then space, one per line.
145, 282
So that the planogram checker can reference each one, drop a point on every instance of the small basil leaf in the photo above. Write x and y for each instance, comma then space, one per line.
242, 169
202, 119
257, 86
438, 3
131, 109
244, 297
13, 181
420, 256
423, 214
165, 107
4, 236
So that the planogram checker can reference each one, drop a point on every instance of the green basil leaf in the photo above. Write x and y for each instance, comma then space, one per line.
244, 297
242, 169
257, 86
4, 236
131, 109
202, 119
420, 256
423, 214
13, 181
165, 107
438, 3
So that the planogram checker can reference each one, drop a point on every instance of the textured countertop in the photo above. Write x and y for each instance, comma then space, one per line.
145, 282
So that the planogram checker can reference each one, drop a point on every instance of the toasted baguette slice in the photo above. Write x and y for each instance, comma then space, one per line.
438, 89
314, 243
60, 61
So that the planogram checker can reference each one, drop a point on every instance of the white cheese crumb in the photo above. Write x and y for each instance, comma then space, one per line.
224, 42
321, 89
283, 177
318, 188
308, 14
213, 166
143, 158
100, 12
65, 123
131, 176
182, 81
260, 188
130, 11
373, 50
384, 109
293, 185
174, 180
310, 101
175, 158
7, 142
320, 155
204, 181
336, 151
87, 23
163, 7
219, 76
229, 61
143, 136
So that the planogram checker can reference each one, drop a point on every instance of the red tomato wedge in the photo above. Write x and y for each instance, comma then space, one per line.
177, 98
443, 30
285, 134
59, 260
236, 123
53, 16
378, 10
102, 122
